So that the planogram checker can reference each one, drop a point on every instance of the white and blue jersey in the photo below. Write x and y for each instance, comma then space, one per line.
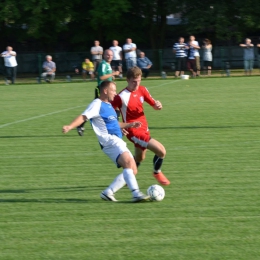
103, 119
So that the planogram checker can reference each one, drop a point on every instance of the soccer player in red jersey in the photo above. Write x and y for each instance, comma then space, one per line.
130, 103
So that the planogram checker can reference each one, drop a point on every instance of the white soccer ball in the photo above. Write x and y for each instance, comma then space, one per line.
156, 192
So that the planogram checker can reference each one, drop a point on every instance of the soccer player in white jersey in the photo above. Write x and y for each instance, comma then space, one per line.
105, 125
116, 63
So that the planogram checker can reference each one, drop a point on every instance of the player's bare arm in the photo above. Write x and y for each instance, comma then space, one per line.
157, 105
135, 124
114, 73
76, 122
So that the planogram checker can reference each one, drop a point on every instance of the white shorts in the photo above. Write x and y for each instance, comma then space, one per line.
115, 148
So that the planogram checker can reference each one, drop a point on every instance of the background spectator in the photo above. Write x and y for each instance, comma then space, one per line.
207, 56
10, 64
258, 54
116, 63
196, 47
97, 52
49, 67
248, 56
144, 64
179, 48
191, 62
87, 68
129, 49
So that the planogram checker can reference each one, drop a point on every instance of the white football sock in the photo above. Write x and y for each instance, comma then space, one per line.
131, 181
117, 184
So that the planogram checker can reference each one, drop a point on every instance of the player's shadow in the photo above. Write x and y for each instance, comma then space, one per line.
42, 191
70, 200
55, 189
36, 136
201, 127
83, 189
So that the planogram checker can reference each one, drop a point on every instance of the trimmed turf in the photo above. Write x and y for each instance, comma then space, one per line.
50, 183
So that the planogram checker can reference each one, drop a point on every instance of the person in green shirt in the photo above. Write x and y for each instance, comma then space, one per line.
104, 72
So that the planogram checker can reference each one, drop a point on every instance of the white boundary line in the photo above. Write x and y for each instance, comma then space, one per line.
35, 117
64, 110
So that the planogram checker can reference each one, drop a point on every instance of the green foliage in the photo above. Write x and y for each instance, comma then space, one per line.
79, 22
222, 19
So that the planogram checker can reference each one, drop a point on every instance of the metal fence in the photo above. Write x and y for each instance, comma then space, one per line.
30, 64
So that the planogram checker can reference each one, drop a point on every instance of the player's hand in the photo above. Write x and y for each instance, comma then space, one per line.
157, 105
135, 124
124, 131
116, 73
66, 129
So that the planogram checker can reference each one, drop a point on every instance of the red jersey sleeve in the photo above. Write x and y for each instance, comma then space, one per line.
147, 97
117, 102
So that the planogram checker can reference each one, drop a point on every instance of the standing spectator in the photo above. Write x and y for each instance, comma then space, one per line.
129, 49
144, 64
50, 68
196, 47
10, 64
87, 68
258, 58
191, 62
179, 48
116, 63
97, 52
207, 56
248, 56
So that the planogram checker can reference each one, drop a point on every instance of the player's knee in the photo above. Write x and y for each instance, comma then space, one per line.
162, 152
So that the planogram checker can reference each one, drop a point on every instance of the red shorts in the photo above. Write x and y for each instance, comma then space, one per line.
140, 138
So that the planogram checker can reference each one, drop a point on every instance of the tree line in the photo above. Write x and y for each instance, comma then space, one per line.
73, 25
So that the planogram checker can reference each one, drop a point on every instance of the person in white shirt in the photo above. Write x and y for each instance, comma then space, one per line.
97, 52
129, 49
116, 63
10, 64
196, 46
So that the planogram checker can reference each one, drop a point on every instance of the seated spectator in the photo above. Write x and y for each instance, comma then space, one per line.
87, 68
144, 64
49, 67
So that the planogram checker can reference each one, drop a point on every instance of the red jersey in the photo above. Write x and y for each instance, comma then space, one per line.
131, 105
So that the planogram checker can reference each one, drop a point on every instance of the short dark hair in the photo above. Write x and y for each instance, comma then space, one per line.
105, 84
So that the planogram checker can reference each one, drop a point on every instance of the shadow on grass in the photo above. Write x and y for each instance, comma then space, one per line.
45, 201
36, 136
56, 189
201, 127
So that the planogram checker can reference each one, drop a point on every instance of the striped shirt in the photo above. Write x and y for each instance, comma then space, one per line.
180, 50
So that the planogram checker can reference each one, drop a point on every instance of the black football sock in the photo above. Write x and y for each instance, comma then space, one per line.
137, 163
157, 163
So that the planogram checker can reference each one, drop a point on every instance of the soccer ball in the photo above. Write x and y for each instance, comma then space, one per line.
156, 192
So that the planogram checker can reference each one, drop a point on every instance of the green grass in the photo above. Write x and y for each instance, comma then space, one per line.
50, 183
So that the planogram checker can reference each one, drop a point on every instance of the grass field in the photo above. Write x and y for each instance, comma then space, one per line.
50, 183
